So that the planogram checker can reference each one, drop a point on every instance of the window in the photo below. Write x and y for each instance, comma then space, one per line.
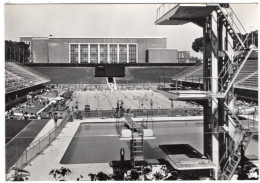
93, 53
74, 57
123, 53
132, 53
103, 53
83, 53
113, 53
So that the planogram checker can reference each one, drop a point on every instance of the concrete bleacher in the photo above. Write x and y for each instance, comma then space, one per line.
188, 71
247, 78
18, 77
250, 67
250, 82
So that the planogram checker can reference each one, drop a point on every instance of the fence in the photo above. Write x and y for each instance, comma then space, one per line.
145, 112
38, 146
100, 87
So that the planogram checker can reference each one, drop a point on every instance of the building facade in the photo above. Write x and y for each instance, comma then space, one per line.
183, 56
100, 50
162, 55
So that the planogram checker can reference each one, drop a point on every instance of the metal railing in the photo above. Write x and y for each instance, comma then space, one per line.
38, 146
144, 112
163, 9
100, 87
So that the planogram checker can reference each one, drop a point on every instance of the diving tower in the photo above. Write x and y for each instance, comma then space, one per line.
224, 55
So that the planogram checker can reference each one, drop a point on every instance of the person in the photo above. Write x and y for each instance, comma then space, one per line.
55, 119
117, 104
86, 110
151, 103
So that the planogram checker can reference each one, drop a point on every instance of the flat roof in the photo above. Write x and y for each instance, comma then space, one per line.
162, 49
93, 37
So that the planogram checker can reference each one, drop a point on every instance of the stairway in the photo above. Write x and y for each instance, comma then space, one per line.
229, 22
137, 151
235, 155
240, 53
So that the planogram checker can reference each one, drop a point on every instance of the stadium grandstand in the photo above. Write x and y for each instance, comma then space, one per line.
245, 84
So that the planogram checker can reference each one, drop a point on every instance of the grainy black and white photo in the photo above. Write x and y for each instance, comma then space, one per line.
131, 92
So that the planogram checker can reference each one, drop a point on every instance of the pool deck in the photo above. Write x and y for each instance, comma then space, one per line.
39, 170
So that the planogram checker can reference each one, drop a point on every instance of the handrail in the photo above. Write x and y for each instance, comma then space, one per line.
165, 8
239, 69
232, 152
237, 18
34, 144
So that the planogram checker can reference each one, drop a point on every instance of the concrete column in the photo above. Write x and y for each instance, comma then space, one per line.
98, 53
214, 74
117, 53
127, 53
88, 53
137, 53
108, 53
79, 53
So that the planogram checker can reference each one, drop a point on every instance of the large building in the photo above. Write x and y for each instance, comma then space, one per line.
100, 50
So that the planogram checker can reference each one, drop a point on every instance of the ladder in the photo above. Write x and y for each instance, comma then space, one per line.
241, 52
235, 156
137, 151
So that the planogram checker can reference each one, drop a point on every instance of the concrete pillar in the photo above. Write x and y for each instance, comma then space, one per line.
88, 53
98, 53
108, 53
78, 53
117, 53
127, 53
207, 105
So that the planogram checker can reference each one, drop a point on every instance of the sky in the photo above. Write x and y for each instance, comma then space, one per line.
107, 20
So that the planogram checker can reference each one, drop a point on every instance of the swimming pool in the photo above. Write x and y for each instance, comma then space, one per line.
99, 142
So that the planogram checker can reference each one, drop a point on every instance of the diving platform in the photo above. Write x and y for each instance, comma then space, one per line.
185, 157
193, 94
179, 14
128, 128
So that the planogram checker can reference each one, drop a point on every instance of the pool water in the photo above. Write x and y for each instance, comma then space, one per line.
99, 143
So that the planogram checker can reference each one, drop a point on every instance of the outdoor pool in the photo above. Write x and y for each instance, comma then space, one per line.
99, 142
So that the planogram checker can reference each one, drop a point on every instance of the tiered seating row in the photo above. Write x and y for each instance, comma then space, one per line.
250, 82
188, 71
18, 77
193, 74
250, 67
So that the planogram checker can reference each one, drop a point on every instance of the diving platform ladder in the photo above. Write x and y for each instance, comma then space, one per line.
235, 156
137, 150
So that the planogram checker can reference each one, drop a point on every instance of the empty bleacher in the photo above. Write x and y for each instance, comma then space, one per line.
248, 76
250, 82
18, 77
250, 67
188, 71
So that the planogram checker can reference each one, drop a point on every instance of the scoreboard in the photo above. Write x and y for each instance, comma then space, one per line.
110, 70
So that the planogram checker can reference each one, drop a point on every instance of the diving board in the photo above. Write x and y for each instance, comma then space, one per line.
131, 123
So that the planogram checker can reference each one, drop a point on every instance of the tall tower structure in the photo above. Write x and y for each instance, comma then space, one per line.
224, 55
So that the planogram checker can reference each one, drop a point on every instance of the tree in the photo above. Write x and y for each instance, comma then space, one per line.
100, 176
59, 174
17, 51
197, 45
